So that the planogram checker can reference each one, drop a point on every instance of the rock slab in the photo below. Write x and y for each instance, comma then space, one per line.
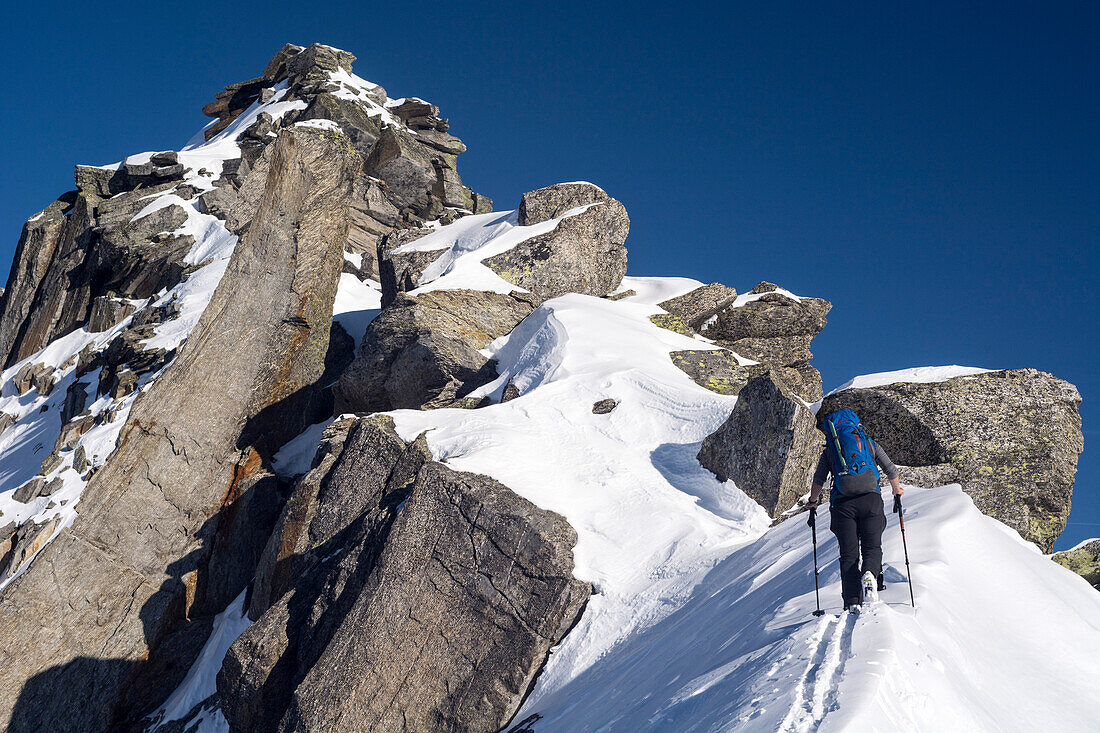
471, 592
1014, 436
114, 609
419, 598
768, 446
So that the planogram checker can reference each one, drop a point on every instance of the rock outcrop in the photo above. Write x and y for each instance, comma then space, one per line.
316, 563
768, 330
768, 446
720, 371
1014, 436
187, 463
38, 304
424, 351
548, 203
399, 272
775, 329
42, 235
698, 306
584, 253
1083, 560
416, 597
410, 172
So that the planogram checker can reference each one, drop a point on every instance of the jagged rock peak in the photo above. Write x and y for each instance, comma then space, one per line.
408, 157
306, 70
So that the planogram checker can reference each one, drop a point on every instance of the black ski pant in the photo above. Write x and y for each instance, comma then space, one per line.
858, 523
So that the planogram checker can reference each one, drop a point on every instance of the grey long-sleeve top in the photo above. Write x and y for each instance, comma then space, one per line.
825, 464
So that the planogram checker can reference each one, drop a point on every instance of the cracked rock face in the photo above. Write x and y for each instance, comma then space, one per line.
1014, 437
768, 446
316, 563
435, 612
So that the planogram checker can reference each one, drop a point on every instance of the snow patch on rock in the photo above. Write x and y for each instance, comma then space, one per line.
919, 375
464, 244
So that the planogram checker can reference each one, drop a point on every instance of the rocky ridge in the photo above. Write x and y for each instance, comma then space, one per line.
215, 265
172, 329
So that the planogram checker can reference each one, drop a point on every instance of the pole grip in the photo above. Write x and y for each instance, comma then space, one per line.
897, 505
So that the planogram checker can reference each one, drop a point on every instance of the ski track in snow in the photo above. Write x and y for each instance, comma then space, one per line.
817, 690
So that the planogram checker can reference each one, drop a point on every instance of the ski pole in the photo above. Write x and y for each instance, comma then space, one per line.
901, 521
813, 532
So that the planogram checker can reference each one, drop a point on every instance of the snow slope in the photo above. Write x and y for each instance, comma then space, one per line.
701, 618
1002, 639
651, 522
463, 244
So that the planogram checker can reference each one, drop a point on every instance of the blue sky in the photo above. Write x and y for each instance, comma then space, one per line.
929, 168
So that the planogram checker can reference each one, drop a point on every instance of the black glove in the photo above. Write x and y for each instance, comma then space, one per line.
813, 516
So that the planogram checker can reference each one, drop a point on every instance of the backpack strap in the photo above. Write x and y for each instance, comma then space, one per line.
837, 447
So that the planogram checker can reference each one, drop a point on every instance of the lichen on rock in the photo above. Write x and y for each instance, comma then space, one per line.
1013, 435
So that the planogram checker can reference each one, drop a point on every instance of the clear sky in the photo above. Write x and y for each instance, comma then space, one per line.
929, 168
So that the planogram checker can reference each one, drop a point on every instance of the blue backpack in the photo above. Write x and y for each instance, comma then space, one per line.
852, 454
